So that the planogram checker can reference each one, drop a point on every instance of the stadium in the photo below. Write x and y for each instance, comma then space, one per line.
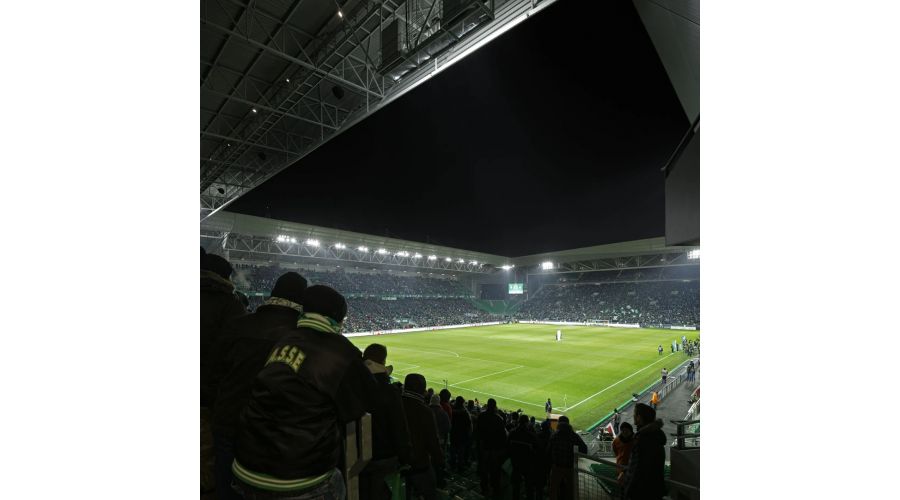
591, 324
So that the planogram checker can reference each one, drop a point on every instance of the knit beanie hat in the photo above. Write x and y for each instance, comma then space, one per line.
290, 286
324, 300
216, 264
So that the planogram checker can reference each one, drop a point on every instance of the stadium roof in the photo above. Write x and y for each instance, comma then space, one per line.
250, 235
279, 78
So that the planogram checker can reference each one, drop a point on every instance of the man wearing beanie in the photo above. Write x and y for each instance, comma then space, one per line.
313, 381
218, 304
390, 435
426, 450
239, 354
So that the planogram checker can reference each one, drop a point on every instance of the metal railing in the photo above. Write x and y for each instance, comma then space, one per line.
596, 479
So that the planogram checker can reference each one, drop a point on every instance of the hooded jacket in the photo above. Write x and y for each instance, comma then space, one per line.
312, 383
644, 477
218, 305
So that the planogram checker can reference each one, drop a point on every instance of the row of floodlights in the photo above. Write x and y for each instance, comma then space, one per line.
282, 238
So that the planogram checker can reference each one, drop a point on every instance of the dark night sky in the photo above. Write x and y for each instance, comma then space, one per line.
550, 137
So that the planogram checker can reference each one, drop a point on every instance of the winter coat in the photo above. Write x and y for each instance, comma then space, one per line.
240, 353
644, 478
218, 305
313, 383
423, 433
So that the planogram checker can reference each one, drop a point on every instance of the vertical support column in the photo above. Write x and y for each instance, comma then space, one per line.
575, 473
357, 453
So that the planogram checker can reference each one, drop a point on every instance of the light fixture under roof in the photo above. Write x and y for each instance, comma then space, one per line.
254, 110
362, 249
448, 259
432, 257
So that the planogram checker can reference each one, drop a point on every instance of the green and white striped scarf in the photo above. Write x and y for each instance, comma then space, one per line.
319, 322
278, 301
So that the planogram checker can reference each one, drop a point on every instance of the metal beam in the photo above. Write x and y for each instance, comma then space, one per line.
300, 62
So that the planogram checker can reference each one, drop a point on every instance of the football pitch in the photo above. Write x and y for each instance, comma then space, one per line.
587, 374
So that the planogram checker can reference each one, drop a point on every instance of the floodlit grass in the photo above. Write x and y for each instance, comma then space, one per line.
586, 375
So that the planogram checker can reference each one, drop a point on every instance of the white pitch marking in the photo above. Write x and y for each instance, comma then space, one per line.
619, 382
495, 373
495, 395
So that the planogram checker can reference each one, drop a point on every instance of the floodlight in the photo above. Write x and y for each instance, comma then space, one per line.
340, 246
340, 14
363, 249
312, 242
547, 265
694, 254
402, 254
287, 80
417, 256
461, 261
382, 251
507, 267
432, 257
448, 259
474, 262
254, 110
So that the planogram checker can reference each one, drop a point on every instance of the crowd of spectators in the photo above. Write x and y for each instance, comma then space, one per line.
645, 303
356, 284
366, 315
378, 301
279, 384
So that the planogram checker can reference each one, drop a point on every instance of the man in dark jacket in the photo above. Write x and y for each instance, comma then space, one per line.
541, 464
460, 434
218, 304
562, 458
391, 446
312, 383
426, 450
522, 444
644, 478
443, 428
445, 403
491, 448
240, 353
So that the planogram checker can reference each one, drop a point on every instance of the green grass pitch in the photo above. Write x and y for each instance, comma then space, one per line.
589, 372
